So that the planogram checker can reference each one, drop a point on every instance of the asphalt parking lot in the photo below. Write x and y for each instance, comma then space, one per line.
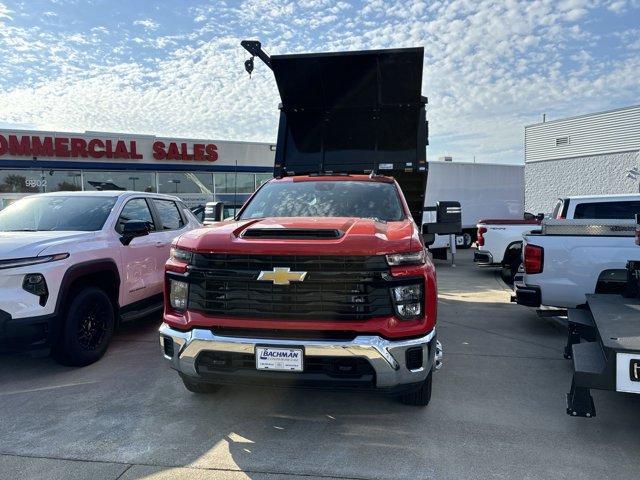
498, 411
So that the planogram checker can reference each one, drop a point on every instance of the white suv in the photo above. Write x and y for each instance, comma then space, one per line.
75, 264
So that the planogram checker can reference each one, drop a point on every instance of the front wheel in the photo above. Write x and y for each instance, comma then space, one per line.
421, 396
87, 329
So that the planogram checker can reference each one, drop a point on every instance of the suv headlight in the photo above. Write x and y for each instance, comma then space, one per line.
180, 255
178, 294
407, 300
411, 258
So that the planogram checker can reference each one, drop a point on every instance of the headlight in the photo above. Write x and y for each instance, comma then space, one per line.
36, 284
178, 293
407, 301
180, 255
412, 258
24, 262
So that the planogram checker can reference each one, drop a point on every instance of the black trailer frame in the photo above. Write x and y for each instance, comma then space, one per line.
598, 339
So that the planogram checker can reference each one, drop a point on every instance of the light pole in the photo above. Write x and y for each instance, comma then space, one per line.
175, 182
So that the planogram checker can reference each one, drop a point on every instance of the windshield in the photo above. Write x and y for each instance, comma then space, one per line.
72, 213
375, 200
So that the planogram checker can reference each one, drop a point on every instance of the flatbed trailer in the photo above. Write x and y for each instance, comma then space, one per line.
604, 344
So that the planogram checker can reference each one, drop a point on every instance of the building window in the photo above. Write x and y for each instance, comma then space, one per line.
63, 180
235, 182
21, 181
185, 182
124, 180
262, 177
40, 181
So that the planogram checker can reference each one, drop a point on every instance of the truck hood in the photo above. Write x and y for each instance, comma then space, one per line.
353, 236
31, 244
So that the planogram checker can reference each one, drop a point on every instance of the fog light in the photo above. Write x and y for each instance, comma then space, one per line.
408, 301
178, 292
409, 310
36, 284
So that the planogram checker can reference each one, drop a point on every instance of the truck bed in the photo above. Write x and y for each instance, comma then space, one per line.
617, 320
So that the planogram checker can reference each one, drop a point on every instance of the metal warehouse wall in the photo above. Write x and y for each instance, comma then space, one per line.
592, 175
593, 134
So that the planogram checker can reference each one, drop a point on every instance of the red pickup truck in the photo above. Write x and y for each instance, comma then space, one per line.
322, 278
313, 284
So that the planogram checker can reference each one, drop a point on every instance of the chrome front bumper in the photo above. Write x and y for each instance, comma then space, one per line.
387, 357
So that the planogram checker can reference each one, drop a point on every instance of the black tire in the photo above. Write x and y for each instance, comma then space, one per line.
195, 386
467, 241
87, 328
514, 265
421, 396
510, 269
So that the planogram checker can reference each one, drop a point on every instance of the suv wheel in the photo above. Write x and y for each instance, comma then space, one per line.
87, 328
195, 386
421, 396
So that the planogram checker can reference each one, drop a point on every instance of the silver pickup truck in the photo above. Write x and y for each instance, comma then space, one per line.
567, 259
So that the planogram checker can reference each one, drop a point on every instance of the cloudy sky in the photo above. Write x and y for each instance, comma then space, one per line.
175, 68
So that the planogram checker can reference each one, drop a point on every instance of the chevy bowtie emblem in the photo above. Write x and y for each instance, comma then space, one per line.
282, 276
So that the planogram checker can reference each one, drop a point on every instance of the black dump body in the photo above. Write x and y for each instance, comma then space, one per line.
354, 112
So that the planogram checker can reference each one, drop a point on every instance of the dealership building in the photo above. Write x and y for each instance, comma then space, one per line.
195, 170
590, 154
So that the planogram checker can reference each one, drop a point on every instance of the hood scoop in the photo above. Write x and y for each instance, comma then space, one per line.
293, 233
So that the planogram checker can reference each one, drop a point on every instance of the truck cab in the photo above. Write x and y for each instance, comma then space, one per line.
323, 277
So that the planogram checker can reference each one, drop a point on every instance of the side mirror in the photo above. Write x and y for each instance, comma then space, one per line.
540, 217
213, 212
448, 219
132, 229
428, 238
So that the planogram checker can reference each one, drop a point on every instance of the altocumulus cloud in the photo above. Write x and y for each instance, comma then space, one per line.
174, 68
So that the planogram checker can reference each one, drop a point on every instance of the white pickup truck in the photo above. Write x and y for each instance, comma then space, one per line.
500, 241
568, 259
73, 264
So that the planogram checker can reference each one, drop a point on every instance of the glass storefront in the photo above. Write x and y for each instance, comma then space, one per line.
39, 181
235, 182
201, 186
138, 181
185, 182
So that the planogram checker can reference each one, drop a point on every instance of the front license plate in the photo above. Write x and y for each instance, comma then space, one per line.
280, 359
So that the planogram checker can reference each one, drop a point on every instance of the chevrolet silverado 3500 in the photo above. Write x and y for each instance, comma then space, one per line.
322, 278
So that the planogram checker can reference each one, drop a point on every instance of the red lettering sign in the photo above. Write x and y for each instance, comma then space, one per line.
66, 147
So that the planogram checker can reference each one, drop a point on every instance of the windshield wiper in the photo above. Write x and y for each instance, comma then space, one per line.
21, 230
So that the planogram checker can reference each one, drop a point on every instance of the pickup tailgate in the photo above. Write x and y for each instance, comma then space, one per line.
577, 256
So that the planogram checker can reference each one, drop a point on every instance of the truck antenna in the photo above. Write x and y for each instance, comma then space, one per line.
254, 47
